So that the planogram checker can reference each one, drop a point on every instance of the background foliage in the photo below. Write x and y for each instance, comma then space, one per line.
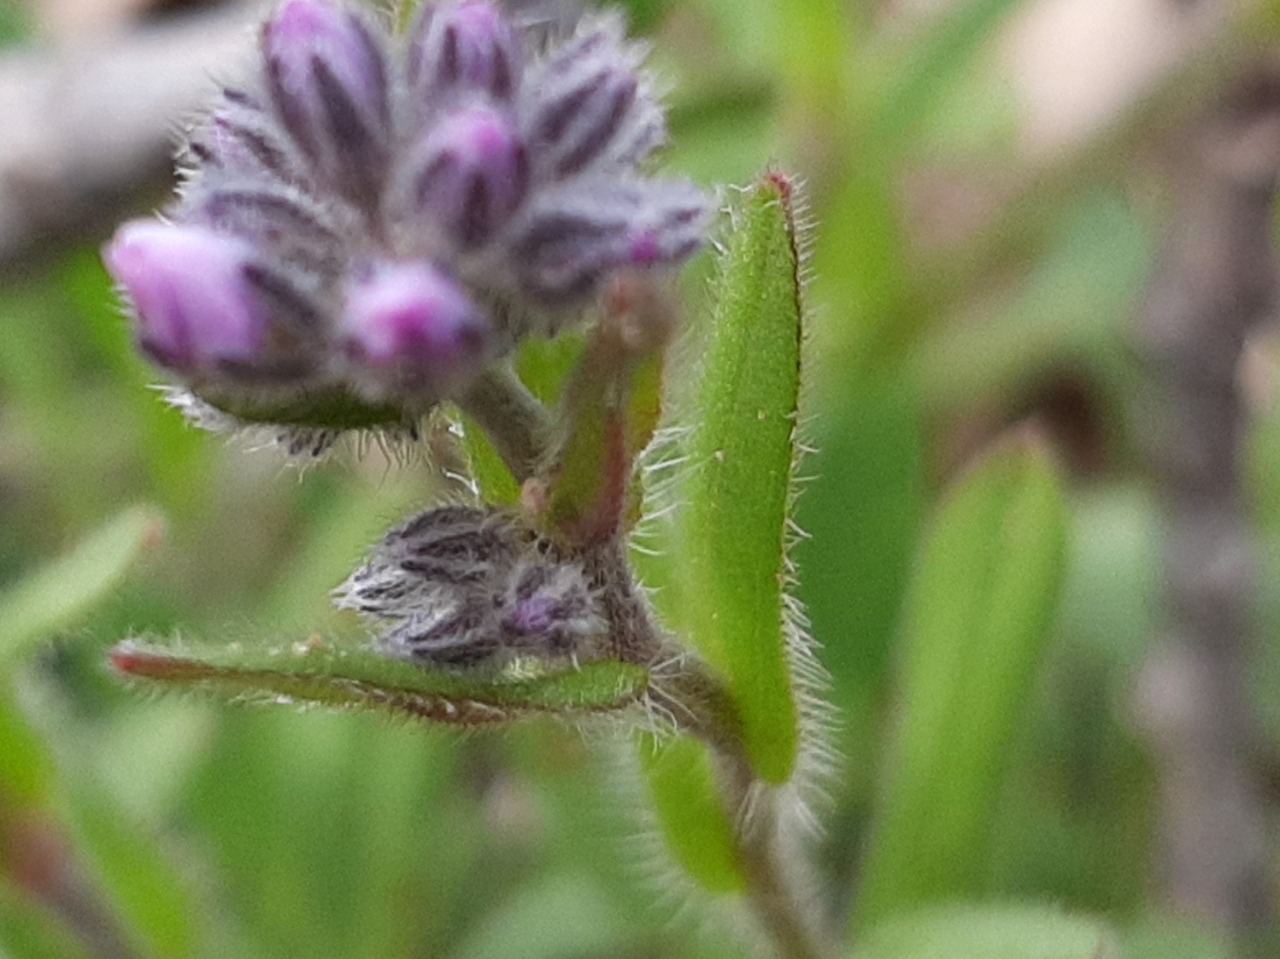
201, 830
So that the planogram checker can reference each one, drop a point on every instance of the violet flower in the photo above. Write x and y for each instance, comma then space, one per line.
378, 219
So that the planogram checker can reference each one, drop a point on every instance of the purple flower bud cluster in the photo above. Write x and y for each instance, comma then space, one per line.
384, 216
463, 587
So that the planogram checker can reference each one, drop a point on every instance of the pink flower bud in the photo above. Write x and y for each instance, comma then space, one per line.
409, 325
328, 80
463, 46
471, 174
195, 304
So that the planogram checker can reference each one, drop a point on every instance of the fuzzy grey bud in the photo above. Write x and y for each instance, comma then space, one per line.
460, 587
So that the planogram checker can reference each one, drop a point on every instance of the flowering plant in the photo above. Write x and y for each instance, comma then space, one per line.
371, 231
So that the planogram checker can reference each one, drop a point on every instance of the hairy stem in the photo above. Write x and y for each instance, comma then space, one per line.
772, 867
774, 891
513, 419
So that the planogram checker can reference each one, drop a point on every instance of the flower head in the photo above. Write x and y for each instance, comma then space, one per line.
382, 217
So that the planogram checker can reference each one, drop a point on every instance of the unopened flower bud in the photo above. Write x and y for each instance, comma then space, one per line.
409, 326
466, 46
328, 80
573, 240
592, 107
195, 302
471, 175
239, 140
551, 608
463, 587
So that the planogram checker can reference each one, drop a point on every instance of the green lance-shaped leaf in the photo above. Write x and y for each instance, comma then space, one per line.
977, 617
347, 677
731, 562
52, 598
992, 932
691, 813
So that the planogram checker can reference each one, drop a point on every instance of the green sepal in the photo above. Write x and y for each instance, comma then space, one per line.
732, 534
977, 617
690, 812
330, 408
52, 598
351, 677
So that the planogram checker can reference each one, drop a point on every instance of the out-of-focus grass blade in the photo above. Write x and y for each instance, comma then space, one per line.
338, 837
28, 931
690, 812
732, 531
977, 617
145, 890
26, 770
564, 915
321, 673
52, 598
924, 73
992, 932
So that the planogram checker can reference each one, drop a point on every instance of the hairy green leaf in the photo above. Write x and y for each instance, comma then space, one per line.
490, 473
354, 677
52, 598
977, 617
732, 533
690, 812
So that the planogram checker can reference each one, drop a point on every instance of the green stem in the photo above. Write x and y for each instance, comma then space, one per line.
772, 891
516, 423
772, 870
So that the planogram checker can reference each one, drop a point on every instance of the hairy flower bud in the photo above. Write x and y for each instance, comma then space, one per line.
593, 109
406, 213
551, 608
413, 328
465, 46
241, 140
462, 587
328, 81
572, 239
192, 291
471, 174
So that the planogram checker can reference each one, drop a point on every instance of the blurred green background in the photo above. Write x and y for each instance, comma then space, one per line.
987, 215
